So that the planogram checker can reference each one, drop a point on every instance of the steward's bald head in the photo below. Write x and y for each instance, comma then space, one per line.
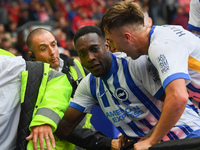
34, 33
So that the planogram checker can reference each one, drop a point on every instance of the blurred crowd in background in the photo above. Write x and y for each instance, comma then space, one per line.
65, 17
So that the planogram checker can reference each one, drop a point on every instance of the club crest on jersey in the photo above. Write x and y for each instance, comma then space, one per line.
121, 94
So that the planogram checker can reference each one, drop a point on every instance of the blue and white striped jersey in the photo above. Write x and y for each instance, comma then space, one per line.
175, 52
125, 96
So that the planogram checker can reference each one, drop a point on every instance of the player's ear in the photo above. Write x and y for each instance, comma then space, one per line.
31, 54
107, 45
127, 36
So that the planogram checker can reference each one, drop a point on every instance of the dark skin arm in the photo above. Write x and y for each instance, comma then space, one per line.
70, 120
68, 123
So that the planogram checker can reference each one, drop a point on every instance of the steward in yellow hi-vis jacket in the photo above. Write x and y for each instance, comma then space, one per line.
49, 107
45, 103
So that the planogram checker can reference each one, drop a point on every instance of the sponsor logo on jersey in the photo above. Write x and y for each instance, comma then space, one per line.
163, 64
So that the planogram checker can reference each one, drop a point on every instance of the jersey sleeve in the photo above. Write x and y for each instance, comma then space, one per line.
170, 58
83, 99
